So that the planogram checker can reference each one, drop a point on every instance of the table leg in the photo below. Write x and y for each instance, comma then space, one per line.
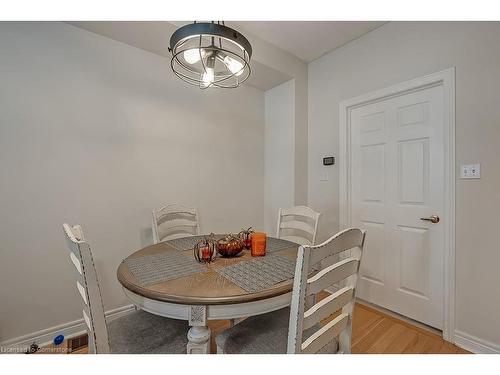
199, 340
199, 334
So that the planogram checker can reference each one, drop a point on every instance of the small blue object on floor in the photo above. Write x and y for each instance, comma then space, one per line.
58, 340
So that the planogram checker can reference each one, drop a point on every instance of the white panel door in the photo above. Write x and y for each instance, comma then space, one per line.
397, 168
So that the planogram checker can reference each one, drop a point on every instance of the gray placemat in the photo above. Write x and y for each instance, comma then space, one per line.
275, 244
259, 273
152, 269
185, 243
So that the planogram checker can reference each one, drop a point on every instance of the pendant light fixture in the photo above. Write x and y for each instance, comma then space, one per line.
210, 54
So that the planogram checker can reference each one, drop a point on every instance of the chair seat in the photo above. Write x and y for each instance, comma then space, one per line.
141, 332
263, 334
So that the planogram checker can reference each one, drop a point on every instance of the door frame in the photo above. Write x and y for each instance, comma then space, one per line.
446, 79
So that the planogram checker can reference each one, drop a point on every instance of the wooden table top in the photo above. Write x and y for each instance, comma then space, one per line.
205, 288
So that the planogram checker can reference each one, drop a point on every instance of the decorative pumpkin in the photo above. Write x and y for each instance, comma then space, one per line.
229, 246
205, 250
246, 236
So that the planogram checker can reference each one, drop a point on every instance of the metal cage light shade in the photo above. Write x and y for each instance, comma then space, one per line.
210, 55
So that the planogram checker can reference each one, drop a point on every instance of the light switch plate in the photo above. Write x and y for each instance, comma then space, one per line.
470, 171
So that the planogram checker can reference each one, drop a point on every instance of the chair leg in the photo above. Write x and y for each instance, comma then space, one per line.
91, 346
345, 335
345, 339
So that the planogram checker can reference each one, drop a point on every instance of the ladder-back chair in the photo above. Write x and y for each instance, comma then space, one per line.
174, 221
136, 332
298, 224
299, 329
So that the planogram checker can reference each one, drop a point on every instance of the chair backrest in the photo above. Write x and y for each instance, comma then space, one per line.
87, 285
308, 282
298, 224
174, 221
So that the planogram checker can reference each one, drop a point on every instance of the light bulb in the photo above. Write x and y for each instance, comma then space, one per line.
233, 65
208, 77
192, 56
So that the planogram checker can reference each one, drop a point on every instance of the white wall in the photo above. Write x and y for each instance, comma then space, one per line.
96, 132
284, 62
401, 51
279, 171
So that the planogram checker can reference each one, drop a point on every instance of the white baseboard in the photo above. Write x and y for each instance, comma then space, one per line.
475, 344
70, 329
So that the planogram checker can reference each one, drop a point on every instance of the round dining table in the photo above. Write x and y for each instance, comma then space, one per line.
200, 292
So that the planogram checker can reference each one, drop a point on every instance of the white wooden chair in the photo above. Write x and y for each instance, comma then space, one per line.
297, 329
174, 221
136, 332
298, 224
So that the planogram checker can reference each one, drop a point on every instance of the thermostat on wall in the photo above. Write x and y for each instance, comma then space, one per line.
329, 160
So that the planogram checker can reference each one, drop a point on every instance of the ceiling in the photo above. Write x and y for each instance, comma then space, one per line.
307, 40
154, 37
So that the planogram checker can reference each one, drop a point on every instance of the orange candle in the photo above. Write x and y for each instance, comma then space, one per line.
205, 253
258, 244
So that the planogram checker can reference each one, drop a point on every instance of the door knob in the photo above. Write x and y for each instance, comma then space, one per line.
433, 219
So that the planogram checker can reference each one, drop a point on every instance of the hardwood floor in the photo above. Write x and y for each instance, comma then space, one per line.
374, 333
